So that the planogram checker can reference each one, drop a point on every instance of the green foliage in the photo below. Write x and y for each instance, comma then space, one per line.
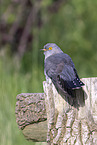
13, 82
11, 18
46, 3
73, 28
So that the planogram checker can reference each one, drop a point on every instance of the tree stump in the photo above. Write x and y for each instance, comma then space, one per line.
31, 116
70, 121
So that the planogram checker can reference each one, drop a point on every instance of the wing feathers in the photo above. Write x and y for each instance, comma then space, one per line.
74, 84
63, 73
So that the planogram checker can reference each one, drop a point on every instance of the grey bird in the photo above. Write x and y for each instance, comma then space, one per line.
60, 68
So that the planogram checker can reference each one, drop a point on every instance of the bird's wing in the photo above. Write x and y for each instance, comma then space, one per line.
63, 73
68, 78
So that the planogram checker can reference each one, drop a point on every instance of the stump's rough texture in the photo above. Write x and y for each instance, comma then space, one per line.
72, 121
63, 120
30, 108
31, 115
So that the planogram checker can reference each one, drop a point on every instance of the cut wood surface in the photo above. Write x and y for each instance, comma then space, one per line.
60, 120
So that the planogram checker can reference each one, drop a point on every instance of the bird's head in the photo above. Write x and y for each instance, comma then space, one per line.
51, 49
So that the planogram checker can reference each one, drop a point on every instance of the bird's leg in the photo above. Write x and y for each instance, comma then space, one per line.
48, 80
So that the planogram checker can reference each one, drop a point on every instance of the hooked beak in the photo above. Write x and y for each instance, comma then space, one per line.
43, 49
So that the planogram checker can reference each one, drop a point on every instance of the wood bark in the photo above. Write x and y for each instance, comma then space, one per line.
31, 116
70, 121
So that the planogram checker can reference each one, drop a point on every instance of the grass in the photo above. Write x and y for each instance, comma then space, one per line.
13, 82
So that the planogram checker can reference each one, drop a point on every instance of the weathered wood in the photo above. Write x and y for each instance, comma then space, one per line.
36, 132
72, 121
69, 121
31, 116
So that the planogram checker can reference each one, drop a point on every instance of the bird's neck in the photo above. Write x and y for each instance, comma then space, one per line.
50, 54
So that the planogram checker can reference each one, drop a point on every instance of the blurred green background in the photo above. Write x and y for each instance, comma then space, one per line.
25, 27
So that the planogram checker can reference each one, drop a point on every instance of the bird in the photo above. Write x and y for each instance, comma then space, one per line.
59, 67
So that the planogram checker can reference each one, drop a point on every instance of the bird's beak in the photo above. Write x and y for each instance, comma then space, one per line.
43, 50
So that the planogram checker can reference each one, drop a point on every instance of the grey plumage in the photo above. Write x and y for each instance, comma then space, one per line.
60, 68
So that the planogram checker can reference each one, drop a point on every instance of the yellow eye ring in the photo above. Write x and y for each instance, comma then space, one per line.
50, 48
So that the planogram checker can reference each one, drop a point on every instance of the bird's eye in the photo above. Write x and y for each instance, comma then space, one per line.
50, 48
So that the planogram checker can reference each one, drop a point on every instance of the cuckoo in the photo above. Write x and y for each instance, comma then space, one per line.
60, 68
